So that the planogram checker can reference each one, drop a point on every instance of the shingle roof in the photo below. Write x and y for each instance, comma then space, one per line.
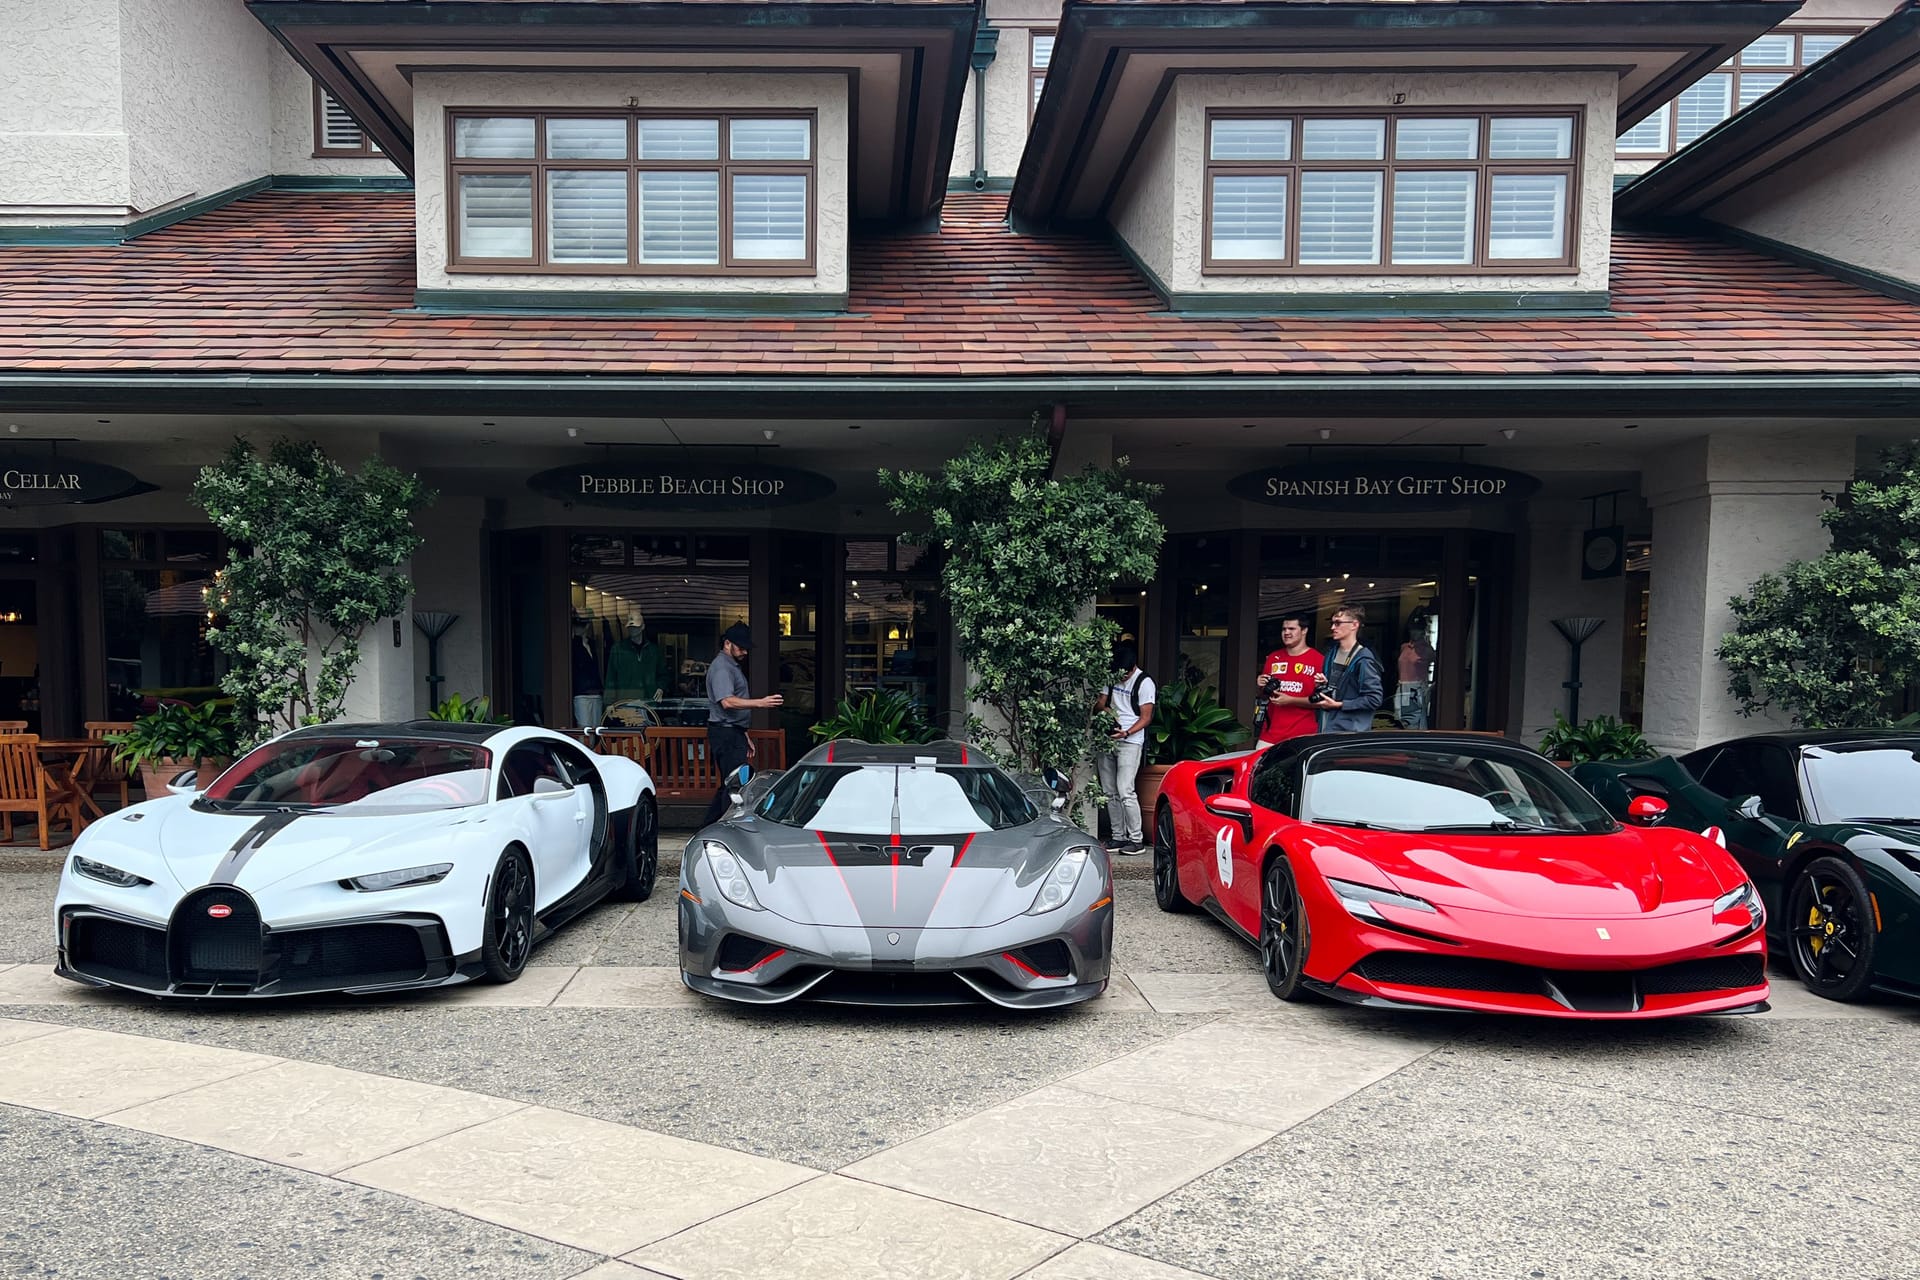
322, 282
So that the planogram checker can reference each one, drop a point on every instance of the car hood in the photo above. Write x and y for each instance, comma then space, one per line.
1630, 872
255, 851
924, 882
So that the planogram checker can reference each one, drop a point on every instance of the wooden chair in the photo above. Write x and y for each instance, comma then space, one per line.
98, 771
13, 726
26, 787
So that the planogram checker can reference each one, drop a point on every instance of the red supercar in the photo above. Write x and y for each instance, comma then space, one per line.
1456, 871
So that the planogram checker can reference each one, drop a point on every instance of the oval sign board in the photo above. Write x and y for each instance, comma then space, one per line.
680, 483
41, 480
1367, 484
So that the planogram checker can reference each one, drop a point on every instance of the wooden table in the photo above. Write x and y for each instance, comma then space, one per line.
69, 762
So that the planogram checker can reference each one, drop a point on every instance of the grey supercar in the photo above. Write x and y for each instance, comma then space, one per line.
895, 875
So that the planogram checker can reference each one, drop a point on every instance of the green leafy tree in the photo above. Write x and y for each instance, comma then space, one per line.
1026, 553
315, 558
1834, 639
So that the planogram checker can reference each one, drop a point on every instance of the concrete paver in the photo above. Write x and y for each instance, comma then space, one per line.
628, 987
12, 1029
1235, 991
1097, 1262
92, 1073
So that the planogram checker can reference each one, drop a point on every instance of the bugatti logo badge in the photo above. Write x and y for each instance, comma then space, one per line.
893, 939
1604, 935
219, 911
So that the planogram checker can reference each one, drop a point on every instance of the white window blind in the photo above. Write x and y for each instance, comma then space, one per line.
680, 217
586, 215
679, 139
1775, 49
493, 138
1343, 140
768, 139
1527, 216
1755, 85
1252, 140
338, 132
1701, 106
1249, 218
1436, 139
770, 216
496, 215
1039, 87
1433, 216
1815, 47
1650, 135
584, 139
1529, 138
1340, 216
1042, 50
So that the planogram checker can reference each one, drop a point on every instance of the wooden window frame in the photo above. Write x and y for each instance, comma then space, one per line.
1486, 168
1733, 68
1037, 75
727, 169
321, 151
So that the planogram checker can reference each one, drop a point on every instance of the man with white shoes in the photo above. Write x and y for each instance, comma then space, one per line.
1130, 698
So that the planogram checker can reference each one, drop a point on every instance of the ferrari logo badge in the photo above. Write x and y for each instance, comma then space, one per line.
1604, 935
1223, 855
893, 939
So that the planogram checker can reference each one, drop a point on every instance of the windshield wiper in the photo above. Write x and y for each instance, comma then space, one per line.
1504, 827
1355, 822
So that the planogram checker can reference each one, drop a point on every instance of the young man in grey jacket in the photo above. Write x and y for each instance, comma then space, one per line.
1354, 690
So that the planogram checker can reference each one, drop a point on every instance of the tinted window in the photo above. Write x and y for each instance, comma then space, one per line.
1864, 780
1733, 773
1778, 790
1272, 787
578, 769
526, 765
863, 799
1445, 788
352, 773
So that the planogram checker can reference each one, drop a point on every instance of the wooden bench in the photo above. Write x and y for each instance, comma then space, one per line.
676, 757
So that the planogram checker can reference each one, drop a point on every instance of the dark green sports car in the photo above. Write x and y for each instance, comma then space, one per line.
1827, 822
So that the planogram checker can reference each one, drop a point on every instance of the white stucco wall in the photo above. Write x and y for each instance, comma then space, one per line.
448, 570
196, 84
1008, 91
1555, 589
1592, 93
824, 93
1726, 508
1855, 197
1143, 211
293, 140
63, 141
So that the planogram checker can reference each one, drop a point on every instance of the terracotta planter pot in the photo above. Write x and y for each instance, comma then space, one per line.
1146, 784
155, 776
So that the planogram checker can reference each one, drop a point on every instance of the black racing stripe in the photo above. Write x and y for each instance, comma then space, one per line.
228, 872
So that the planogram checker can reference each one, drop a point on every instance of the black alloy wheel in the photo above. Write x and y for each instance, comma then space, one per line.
1166, 864
507, 940
1283, 931
640, 860
1830, 930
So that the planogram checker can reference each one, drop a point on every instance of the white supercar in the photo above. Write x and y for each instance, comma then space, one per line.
359, 857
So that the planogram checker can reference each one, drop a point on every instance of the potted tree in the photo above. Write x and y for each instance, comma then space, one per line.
173, 739
1188, 724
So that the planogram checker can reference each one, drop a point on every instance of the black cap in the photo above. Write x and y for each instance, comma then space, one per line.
738, 635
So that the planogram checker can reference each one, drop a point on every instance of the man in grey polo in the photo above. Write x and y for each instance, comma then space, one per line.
729, 712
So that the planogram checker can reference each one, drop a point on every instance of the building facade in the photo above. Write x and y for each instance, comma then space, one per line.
1480, 318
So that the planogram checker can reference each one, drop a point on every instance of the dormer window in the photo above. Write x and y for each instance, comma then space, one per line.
693, 193
1761, 67
335, 133
1322, 193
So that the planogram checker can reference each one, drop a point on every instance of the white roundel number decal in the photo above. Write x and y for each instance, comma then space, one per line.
1223, 855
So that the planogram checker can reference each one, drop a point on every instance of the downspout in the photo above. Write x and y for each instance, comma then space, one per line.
985, 38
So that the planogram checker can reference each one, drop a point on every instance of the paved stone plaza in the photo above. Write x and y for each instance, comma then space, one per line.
595, 1119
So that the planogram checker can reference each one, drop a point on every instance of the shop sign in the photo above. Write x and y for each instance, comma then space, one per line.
1367, 484
42, 480
682, 484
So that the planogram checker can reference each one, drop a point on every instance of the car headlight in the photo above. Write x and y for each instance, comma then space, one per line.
404, 878
107, 875
1364, 901
1057, 888
1734, 900
729, 875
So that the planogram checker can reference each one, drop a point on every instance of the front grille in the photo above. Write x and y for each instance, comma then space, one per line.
1049, 959
366, 954
1722, 973
739, 953
117, 951
1457, 973
203, 949
861, 986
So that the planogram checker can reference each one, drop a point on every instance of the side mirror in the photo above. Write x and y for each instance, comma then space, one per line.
737, 783
1238, 808
1748, 807
549, 786
185, 783
1057, 803
1646, 811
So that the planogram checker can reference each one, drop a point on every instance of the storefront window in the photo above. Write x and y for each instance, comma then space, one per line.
1203, 568
155, 617
20, 652
798, 592
892, 638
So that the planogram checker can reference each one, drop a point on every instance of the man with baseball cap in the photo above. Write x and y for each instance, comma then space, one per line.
729, 712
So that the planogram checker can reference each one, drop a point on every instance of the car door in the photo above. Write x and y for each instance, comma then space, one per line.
548, 807
592, 816
1763, 769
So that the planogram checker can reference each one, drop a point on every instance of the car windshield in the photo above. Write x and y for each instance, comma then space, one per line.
862, 799
352, 775
1857, 781
1450, 788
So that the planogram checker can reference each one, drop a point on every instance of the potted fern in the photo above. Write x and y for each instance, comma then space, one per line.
1601, 738
879, 715
172, 739
1188, 724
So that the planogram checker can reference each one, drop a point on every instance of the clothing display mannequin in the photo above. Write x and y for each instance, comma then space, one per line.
636, 668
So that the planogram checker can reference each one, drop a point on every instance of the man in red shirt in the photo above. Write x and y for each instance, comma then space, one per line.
1285, 680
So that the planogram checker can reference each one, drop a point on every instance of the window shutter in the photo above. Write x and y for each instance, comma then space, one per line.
586, 215
575, 138
1813, 48
338, 132
1436, 139
1775, 49
496, 215
1249, 218
680, 217
1433, 216
1343, 140
493, 138
767, 139
1527, 216
1042, 50
1650, 135
1701, 106
770, 216
1755, 85
1252, 140
679, 139
1340, 217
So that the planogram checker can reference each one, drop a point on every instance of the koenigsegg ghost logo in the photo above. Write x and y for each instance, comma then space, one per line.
893, 939
1223, 855
1604, 935
219, 911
